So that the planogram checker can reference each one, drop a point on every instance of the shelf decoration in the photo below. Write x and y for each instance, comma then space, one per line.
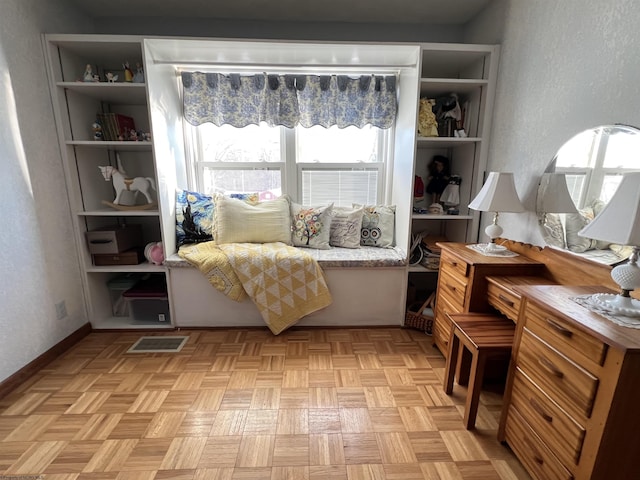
143, 185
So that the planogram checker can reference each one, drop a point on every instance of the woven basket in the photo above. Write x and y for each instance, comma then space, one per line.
415, 318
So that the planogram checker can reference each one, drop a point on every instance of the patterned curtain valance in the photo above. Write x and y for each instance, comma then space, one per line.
289, 100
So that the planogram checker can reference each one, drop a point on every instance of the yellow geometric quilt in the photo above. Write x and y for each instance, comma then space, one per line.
284, 282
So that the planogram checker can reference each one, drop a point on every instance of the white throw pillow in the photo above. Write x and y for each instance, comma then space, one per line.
311, 226
378, 225
346, 226
236, 221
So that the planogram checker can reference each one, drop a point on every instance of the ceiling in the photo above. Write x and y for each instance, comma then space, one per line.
443, 12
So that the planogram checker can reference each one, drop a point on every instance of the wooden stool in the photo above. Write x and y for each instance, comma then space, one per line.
483, 335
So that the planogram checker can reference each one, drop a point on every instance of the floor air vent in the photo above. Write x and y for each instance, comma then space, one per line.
158, 344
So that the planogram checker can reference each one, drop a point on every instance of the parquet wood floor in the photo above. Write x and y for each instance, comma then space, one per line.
309, 404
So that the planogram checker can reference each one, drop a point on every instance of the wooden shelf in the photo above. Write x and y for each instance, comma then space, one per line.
427, 216
119, 213
120, 146
445, 86
142, 267
446, 142
114, 93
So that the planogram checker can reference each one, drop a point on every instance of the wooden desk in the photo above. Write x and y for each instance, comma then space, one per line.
572, 402
462, 285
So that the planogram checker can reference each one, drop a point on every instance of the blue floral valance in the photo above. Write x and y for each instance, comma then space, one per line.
289, 100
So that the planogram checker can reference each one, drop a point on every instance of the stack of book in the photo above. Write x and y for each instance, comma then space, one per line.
117, 127
431, 252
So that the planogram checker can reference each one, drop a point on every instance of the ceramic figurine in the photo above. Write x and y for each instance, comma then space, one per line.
138, 77
128, 73
89, 76
111, 78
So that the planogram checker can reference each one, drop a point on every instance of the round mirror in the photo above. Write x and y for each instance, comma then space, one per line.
580, 180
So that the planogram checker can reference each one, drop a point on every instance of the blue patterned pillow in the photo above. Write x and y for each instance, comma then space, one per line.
194, 217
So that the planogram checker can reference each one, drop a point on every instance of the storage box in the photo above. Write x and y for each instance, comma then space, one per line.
130, 257
114, 239
148, 300
117, 286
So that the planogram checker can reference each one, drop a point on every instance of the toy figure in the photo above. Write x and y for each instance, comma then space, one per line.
438, 179
138, 77
88, 75
111, 78
97, 131
128, 73
427, 123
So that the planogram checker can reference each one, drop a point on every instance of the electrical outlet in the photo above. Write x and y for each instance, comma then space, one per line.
61, 310
161, 317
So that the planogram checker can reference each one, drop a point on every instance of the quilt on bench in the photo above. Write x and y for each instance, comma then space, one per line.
284, 282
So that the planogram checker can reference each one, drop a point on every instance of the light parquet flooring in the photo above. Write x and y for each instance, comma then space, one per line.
309, 404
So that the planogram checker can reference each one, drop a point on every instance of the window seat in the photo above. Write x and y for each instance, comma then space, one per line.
367, 286
336, 257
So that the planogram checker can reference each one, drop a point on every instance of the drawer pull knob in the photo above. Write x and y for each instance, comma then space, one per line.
539, 410
560, 329
536, 456
506, 300
550, 367
454, 264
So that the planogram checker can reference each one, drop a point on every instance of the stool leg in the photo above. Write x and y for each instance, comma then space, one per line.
452, 359
473, 391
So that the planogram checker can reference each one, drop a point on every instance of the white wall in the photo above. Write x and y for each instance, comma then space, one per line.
565, 66
38, 263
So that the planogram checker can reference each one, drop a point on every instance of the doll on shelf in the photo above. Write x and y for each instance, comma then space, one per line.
138, 77
128, 73
438, 179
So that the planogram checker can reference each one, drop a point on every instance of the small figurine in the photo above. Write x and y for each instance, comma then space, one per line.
89, 76
138, 77
97, 131
111, 78
128, 73
133, 136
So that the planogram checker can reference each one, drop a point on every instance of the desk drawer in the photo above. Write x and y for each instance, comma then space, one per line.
442, 326
569, 385
556, 429
504, 301
453, 264
453, 288
536, 457
565, 337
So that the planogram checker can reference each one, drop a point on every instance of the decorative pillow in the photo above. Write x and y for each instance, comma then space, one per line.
378, 223
264, 222
576, 222
346, 225
194, 217
311, 226
553, 231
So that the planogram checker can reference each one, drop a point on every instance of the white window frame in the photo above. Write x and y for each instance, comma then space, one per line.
291, 170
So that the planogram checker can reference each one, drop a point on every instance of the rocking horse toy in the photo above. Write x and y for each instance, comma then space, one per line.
142, 185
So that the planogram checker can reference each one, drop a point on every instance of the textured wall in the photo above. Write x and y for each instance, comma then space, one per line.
38, 264
565, 66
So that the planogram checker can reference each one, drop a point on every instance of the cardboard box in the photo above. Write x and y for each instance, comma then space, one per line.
114, 239
130, 257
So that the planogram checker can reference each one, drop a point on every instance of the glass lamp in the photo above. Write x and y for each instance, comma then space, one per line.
498, 194
619, 222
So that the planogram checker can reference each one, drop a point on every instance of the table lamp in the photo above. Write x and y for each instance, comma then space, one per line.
553, 196
498, 194
619, 222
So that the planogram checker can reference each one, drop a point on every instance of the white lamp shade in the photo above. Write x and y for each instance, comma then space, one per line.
498, 194
554, 195
619, 220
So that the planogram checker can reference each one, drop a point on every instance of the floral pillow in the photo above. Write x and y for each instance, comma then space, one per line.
311, 226
378, 225
194, 217
346, 224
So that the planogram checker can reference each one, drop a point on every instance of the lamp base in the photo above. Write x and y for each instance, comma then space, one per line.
617, 304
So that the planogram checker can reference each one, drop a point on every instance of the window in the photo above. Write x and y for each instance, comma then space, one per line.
594, 162
314, 165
